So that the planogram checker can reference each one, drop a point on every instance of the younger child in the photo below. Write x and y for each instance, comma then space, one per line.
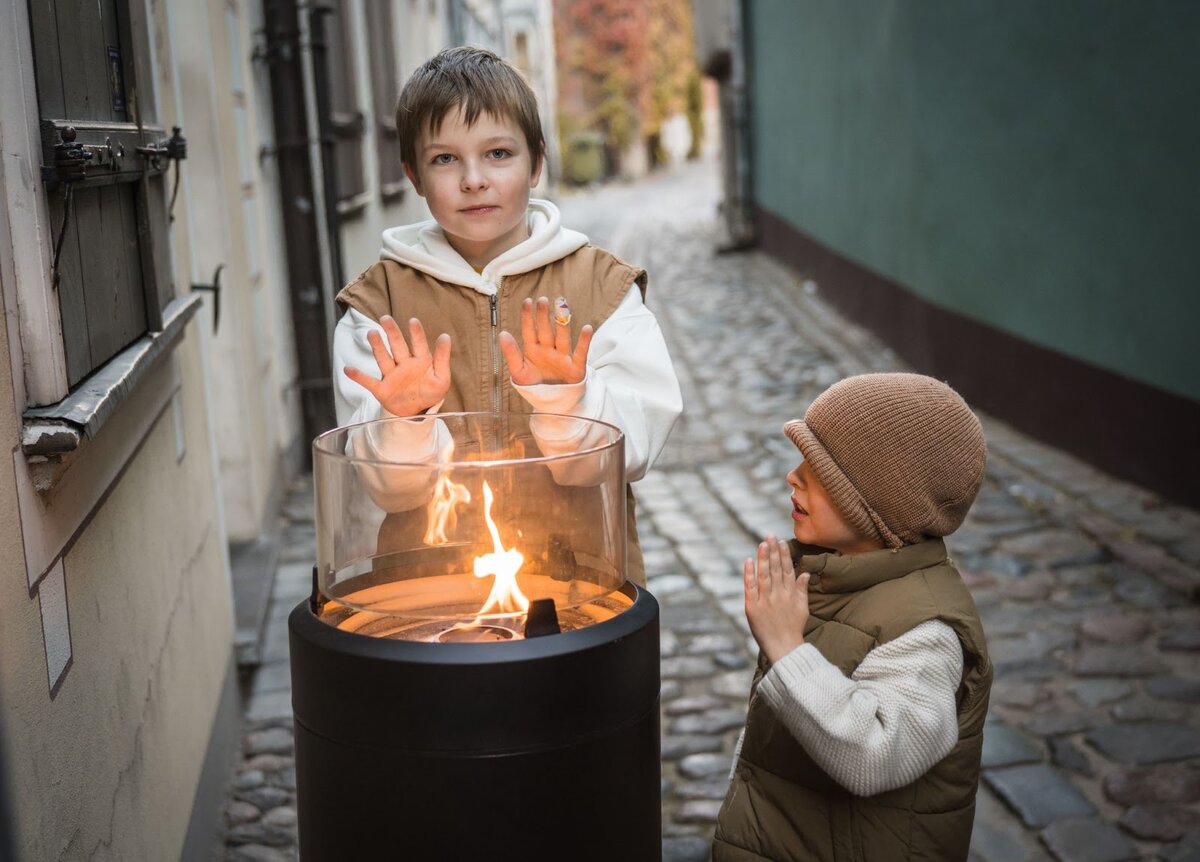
864, 734
489, 264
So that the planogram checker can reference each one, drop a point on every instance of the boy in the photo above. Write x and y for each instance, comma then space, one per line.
472, 146
864, 733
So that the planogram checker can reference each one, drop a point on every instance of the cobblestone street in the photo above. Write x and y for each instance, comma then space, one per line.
1088, 587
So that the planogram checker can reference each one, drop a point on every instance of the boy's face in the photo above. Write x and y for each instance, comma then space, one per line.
476, 180
817, 521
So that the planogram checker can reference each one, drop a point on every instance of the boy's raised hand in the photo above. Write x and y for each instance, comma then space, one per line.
547, 356
776, 599
413, 381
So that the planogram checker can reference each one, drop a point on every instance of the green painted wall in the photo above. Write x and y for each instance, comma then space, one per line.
1033, 165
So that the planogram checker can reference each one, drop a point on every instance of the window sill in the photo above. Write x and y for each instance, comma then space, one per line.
61, 429
391, 193
354, 206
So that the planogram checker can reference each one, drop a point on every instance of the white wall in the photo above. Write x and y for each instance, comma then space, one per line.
115, 618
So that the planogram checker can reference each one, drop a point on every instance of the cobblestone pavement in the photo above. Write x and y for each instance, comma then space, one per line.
1087, 586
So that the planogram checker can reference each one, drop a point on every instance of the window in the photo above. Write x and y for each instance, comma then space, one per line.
110, 225
346, 119
385, 88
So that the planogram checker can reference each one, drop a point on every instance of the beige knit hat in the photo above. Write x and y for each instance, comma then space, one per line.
900, 455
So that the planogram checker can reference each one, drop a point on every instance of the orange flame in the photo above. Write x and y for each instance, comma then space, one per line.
447, 495
506, 597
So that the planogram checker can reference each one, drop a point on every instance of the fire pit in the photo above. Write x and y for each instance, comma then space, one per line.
473, 677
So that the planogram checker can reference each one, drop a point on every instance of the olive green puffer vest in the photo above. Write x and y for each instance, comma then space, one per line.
781, 806
594, 283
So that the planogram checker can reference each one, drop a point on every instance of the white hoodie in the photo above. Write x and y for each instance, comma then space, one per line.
630, 379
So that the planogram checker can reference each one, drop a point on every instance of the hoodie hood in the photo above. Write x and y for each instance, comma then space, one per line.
424, 246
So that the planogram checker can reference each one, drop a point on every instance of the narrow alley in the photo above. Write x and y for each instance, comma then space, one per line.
1087, 586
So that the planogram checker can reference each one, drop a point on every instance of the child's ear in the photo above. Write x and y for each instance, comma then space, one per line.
537, 169
413, 178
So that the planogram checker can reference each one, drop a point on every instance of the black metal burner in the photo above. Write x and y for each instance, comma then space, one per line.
476, 634
536, 748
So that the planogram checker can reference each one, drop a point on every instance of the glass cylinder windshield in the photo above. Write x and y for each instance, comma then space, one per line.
469, 517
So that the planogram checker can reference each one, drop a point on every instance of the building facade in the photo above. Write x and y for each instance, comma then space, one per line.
183, 188
1005, 195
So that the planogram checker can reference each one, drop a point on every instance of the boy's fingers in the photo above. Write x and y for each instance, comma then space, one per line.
416, 333
382, 358
765, 582
562, 337
777, 568
395, 337
528, 336
441, 355
579, 357
545, 329
510, 350
363, 380
749, 581
515, 359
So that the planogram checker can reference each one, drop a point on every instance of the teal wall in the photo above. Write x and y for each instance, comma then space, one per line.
1032, 165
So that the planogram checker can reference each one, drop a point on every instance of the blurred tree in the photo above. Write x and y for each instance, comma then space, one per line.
624, 66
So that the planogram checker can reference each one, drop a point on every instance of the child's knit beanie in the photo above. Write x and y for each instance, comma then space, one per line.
900, 455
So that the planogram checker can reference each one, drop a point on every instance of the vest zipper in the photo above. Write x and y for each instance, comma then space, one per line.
494, 300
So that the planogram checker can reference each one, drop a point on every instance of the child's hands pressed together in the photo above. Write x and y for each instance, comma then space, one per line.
776, 599
547, 356
413, 381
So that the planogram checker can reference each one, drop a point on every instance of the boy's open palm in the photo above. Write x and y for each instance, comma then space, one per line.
413, 380
547, 356
776, 599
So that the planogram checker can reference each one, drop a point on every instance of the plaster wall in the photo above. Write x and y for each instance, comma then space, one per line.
419, 34
106, 767
224, 227
1028, 165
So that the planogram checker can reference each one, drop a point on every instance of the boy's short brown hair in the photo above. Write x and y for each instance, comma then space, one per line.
471, 79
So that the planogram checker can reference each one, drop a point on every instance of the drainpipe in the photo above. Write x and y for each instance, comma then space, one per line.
310, 294
741, 202
327, 150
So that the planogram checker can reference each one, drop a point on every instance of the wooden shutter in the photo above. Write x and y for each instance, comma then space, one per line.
92, 70
385, 88
346, 119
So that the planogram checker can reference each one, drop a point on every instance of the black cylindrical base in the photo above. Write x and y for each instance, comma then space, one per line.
546, 748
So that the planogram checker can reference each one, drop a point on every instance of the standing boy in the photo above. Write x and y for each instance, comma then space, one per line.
864, 734
488, 264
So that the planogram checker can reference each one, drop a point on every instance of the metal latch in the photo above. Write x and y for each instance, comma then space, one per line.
70, 167
215, 290
173, 148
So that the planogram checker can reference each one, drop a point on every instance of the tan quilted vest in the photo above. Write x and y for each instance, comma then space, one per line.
594, 282
781, 806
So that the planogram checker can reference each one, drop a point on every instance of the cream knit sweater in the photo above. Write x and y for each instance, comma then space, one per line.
888, 723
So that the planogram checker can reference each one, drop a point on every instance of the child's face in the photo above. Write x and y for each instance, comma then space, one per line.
476, 180
817, 521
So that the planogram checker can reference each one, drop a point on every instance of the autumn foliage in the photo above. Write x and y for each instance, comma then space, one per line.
624, 66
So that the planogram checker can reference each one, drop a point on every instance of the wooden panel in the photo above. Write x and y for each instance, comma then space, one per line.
385, 88
76, 341
139, 77
158, 285
96, 277
82, 60
131, 249
122, 316
114, 39
346, 118
115, 272
44, 24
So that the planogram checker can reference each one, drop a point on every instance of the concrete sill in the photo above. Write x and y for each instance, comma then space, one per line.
51, 436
